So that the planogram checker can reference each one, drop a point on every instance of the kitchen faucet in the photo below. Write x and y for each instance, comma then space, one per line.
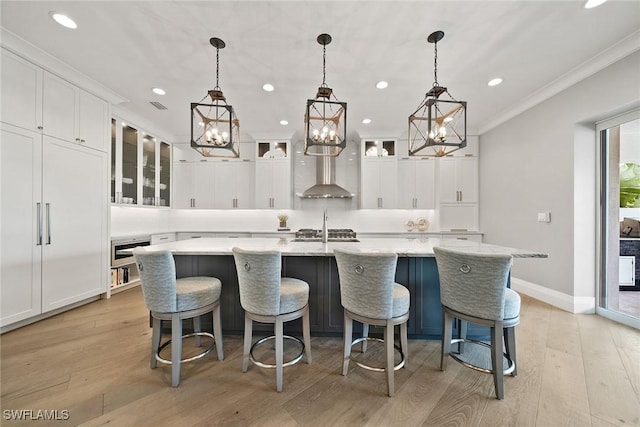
325, 230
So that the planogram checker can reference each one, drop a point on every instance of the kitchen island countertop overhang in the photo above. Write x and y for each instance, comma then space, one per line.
404, 247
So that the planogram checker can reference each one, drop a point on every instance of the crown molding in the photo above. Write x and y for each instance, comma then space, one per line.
39, 57
615, 53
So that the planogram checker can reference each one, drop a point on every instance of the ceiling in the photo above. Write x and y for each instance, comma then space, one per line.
130, 47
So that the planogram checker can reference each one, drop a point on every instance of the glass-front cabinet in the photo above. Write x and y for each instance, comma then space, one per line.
148, 170
140, 167
165, 174
129, 161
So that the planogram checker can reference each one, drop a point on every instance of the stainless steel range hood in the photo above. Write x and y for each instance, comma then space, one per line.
325, 187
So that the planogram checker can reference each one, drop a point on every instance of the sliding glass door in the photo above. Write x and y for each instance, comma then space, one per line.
618, 294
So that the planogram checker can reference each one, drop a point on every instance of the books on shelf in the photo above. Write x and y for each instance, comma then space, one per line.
119, 276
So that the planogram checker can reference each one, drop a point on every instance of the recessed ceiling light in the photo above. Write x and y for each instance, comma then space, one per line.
495, 82
366, 121
590, 4
159, 91
284, 122
63, 20
382, 84
268, 87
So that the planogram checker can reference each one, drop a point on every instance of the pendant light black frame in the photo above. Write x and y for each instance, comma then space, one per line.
215, 128
326, 117
438, 127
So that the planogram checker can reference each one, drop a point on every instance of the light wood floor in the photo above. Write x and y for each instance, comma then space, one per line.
574, 370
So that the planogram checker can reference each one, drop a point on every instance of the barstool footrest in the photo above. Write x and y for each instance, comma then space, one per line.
510, 365
293, 361
190, 359
374, 368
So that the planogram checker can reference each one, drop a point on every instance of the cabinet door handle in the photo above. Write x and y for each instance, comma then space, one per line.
48, 213
78, 140
39, 209
82, 141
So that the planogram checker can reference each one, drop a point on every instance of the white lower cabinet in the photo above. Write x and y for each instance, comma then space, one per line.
54, 224
627, 271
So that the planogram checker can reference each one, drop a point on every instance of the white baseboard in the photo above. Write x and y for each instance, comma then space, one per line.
582, 305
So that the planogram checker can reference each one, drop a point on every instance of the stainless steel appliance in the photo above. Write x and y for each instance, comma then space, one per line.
334, 235
118, 257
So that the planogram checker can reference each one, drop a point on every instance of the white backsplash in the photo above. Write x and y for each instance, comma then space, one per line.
130, 221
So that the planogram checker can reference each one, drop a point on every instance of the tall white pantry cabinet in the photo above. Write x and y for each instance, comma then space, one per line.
54, 199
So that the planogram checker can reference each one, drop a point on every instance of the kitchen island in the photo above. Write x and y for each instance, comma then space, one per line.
314, 263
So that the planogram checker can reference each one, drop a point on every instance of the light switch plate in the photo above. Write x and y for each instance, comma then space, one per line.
544, 216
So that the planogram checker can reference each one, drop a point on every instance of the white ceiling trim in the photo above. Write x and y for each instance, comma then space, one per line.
34, 54
620, 50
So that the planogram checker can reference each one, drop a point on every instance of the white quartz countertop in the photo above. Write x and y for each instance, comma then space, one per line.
403, 247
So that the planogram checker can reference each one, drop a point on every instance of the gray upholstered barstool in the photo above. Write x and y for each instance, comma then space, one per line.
266, 297
369, 295
473, 288
174, 299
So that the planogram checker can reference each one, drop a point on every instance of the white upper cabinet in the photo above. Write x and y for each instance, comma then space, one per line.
458, 179
273, 175
211, 183
233, 184
378, 175
71, 114
21, 83
416, 183
273, 184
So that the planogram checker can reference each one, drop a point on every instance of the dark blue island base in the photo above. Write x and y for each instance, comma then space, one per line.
418, 274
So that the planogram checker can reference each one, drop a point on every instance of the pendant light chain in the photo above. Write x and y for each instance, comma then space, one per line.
217, 68
435, 64
324, 64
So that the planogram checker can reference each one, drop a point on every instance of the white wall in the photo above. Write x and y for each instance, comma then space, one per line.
544, 160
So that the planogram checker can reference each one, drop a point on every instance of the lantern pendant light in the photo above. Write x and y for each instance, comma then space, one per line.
438, 127
215, 128
326, 117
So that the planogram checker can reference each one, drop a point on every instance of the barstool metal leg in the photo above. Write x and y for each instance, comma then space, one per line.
217, 332
248, 326
403, 343
510, 344
496, 359
279, 350
306, 334
348, 333
176, 349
